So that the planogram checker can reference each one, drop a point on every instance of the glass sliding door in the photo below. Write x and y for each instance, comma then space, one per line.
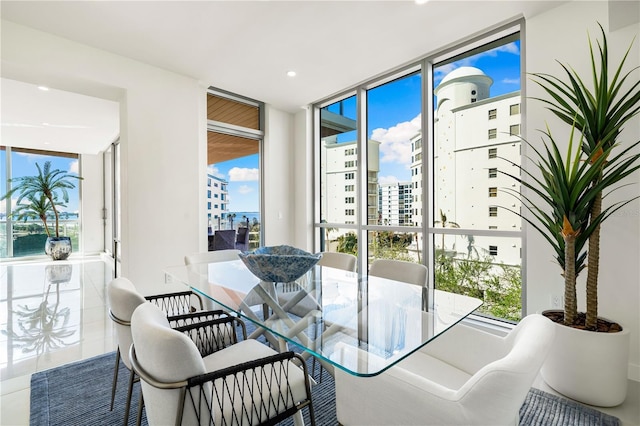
234, 140
27, 237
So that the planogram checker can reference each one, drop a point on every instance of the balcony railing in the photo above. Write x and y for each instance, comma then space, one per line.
28, 238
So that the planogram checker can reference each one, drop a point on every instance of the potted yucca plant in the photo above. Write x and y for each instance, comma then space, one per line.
44, 193
590, 357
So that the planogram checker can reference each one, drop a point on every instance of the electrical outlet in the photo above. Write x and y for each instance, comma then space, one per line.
556, 301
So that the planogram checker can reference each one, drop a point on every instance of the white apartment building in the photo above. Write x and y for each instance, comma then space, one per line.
474, 135
217, 202
339, 164
395, 204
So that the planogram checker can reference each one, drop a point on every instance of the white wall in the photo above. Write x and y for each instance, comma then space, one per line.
303, 170
162, 132
278, 185
562, 34
92, 204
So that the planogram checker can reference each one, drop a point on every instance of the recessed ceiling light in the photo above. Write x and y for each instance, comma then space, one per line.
291, 73
43, 88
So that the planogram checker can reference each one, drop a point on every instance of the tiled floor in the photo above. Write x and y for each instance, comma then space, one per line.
50, 314
44, 325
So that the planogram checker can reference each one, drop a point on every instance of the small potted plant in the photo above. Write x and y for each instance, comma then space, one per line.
45, 192
589, 360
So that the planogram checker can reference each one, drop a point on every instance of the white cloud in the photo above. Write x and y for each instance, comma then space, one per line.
395, 145
74, 167
383, 180
237, 174
214, 171
244, 189
511, 80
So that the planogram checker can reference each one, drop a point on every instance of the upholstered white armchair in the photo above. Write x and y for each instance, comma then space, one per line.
201, 374
123, 299
464, 377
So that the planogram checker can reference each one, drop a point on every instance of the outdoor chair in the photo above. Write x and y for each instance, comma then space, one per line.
224, 239
242, 239
464, 377
201, 374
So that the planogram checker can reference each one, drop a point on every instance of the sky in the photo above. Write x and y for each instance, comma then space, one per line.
393, 118
243, 176
25, 165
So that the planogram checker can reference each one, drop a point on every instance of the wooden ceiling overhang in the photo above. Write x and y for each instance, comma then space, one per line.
233, 129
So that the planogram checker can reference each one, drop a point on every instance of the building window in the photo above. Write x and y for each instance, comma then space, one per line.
514, 130
493, 227
514, 109
349, 200
493, 211
208, 194
349, 212
350, 163
493, 133
209, 206
473, 100
349, 188
493, 114
493, 192
349, 176
493, 152
493, 172
493, 250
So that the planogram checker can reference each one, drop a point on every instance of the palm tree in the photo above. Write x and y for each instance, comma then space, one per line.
599, 114
47, 183
445, 224
36, 208
567, 189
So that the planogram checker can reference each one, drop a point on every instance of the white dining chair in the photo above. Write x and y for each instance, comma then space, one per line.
123, 298
211, 256
203, 374
399, 270
464, 377
344, 261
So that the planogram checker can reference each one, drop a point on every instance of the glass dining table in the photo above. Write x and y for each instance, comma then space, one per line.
360, 324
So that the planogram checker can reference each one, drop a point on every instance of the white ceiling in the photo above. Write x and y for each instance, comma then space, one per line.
247, 47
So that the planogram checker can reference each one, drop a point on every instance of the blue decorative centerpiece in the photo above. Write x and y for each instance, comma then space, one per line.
282, 264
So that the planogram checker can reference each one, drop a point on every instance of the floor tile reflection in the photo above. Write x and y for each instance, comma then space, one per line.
51, 313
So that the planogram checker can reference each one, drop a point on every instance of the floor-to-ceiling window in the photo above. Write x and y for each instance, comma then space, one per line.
409, 163
19, 238
234, 138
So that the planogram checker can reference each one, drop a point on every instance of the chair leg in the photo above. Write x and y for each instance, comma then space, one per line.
132, 376
115, 379
140, 406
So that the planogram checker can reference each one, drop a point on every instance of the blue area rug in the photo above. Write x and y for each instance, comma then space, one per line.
80, 394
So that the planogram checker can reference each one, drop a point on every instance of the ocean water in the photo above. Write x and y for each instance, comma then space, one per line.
249, 215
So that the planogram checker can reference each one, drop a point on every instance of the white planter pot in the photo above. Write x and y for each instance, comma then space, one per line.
589, 367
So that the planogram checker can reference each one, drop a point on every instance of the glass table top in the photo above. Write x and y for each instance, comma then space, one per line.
361, 324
